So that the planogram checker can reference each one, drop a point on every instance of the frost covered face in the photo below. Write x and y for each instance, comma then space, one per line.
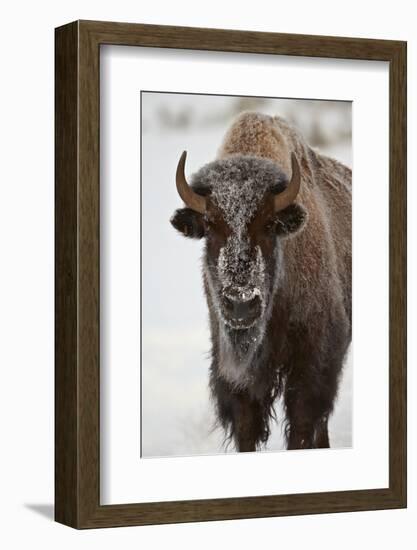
242, 205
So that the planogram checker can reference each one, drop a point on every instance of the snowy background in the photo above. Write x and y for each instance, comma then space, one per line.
177, 415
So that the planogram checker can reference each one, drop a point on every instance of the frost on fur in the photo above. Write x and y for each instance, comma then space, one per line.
278, 289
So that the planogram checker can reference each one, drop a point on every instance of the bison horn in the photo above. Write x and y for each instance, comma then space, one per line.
288, 196
191, 198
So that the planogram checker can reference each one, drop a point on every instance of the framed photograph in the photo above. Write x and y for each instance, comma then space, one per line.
230, 274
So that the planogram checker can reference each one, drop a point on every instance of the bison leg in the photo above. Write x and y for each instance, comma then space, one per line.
322, 434
300, 435
308, 400
242, 416
311, 385
247, 422
309, 436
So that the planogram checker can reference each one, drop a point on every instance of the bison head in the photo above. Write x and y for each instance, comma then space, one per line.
243, 206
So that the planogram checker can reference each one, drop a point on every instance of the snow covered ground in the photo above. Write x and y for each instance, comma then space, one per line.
177, 415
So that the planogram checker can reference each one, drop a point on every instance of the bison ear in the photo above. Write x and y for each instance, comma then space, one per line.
188, 222
291, 220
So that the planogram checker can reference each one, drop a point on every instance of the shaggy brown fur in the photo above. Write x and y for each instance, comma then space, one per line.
323, 251
307, 330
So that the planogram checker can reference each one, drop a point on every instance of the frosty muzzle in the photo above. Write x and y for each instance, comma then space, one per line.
241, 280
241, 314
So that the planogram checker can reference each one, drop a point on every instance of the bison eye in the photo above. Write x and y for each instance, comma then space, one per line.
213, 225
269, 227
209, 223
216, 227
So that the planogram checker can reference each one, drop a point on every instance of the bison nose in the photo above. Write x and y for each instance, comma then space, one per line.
243, 310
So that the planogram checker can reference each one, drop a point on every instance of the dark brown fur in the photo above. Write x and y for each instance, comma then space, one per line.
309, 329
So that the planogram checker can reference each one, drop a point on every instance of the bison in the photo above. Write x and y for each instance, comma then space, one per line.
276, 219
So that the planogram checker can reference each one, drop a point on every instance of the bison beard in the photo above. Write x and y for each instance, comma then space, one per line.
277, 278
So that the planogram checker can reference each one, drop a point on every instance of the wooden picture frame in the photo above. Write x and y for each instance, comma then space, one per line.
77, 370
